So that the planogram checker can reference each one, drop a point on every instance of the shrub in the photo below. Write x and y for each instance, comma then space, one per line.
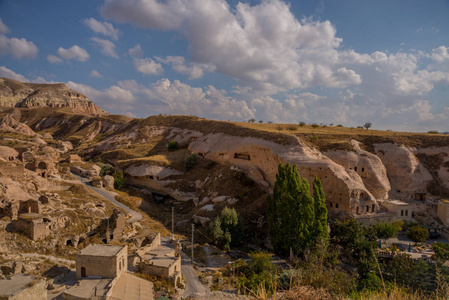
173, 145
292, 128
190, 162
359, 127
106, 169
119, 179
279, 128
339, 125
433, 131
302, 124
418, 234
441, 250
314, 125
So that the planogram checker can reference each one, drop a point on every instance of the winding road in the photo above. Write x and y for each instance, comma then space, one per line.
193, 284
135, 216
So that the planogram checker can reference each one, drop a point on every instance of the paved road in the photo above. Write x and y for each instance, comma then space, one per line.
135, 216
193, 284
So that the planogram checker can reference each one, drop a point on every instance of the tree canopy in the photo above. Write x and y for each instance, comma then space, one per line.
297, 220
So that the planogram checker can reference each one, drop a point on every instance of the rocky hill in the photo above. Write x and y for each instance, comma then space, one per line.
30, 95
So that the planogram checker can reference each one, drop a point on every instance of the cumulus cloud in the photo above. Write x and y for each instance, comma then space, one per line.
3, 27
148, 66
194, 70
440, 54
53, 59
113, 98
5, 72
95, 73
104, 28
17, 47
136, 51
107, 47
263, 46
74, 52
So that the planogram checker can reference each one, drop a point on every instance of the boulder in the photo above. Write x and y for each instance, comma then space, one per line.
219, 199
74, 158
108, 181
94, 171
47, 136
8, 154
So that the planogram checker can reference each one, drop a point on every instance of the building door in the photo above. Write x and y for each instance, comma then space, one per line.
83, 272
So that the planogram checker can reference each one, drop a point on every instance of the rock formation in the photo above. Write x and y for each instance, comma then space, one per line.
21, 94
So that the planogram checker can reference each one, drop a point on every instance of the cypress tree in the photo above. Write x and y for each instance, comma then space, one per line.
320, 227
291, 212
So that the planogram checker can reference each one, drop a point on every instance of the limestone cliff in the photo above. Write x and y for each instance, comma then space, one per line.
22, 94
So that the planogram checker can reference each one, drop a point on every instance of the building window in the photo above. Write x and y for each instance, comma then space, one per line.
330, 204
372, 208
355, 169
336, 205
367, 208
402, 213
363, 169
357, 210
406, 212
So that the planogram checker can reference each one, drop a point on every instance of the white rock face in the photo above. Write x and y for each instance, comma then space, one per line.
158, 172
367, 166
260, 159
405, 173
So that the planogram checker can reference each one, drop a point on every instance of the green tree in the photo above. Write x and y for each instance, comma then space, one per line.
227, 229
172, 146
321, 233
418, 234
291, 212
441, 250
386, 230
119, 179
258, 272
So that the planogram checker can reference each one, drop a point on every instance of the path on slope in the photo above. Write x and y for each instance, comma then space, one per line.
193, 284
135, 216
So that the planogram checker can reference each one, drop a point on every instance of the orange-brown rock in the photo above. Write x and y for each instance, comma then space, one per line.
22, 94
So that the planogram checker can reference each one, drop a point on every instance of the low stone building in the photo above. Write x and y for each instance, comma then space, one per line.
106, 261
102, 274
159, 259
23, 287
33, 225
403, 210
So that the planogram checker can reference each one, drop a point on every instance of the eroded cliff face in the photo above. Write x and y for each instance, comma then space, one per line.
28, 95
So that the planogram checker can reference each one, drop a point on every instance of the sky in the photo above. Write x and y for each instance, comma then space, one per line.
327, 62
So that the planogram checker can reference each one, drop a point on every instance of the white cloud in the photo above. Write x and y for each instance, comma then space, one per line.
440, 54
3, 27
18, 48
74, 52
136, 51
263, 46
104, 28
53, 59
194, 70
113, 98
107, 47
5, 72
148, 66
96, 74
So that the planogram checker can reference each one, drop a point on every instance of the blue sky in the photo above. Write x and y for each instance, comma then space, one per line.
341, 62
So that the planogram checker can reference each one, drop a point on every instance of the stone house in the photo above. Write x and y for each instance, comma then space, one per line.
102, 274
105, 261
159, 259
34, 225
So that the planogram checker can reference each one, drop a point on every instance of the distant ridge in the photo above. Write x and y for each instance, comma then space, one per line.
14, 93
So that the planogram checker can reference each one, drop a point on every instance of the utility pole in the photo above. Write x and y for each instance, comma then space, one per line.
193, 229
172, 223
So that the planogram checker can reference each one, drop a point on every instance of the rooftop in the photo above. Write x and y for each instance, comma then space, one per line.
101, 250
131, 287
87, 288
15, 284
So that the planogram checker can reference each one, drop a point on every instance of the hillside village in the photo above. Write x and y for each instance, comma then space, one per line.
100, 206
